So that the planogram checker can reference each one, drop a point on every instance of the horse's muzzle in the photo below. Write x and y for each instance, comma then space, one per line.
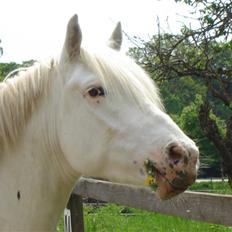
177, 171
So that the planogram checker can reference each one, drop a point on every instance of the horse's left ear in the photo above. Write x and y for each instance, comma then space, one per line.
73, 39
115, 40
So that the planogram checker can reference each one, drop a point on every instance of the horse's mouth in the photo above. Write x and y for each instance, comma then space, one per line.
166, 188
161, 184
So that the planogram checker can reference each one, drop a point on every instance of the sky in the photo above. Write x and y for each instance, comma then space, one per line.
36, 29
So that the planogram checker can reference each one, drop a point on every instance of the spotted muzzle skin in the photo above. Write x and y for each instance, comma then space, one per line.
173, 176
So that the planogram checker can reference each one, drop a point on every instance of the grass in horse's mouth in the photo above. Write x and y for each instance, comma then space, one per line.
151, 174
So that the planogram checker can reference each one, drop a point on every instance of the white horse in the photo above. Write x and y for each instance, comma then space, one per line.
93, 113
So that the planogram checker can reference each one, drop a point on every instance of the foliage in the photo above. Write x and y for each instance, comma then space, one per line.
215, 17
204, 57
1, 49
6, 68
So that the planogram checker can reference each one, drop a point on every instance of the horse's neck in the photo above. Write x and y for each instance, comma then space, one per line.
34, 179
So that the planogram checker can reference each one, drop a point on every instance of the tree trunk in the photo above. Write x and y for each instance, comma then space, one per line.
224, 145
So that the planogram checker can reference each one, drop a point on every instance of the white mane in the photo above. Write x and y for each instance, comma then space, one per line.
19, 97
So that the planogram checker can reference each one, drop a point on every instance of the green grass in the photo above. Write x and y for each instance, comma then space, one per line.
110, 217
212, 187
60, 226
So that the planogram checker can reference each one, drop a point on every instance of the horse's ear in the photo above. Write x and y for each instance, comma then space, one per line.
73, 38
115, 40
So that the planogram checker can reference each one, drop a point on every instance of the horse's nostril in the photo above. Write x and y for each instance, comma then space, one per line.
176, 154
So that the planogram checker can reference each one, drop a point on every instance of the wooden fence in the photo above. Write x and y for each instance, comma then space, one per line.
212, 208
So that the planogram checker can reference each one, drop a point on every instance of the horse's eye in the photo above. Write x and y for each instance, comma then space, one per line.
95, 92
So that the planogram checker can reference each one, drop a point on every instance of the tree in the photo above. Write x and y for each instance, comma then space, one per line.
205, 55
182, 103
6, 68
1, 49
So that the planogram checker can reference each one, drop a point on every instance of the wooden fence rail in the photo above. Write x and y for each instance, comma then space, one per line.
212, 208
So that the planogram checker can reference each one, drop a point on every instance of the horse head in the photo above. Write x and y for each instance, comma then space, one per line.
112, 123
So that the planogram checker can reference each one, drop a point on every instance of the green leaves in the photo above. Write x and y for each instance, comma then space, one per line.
215, 17
1, 49
6, 68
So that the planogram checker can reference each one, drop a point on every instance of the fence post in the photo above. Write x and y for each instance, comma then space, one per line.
75, 205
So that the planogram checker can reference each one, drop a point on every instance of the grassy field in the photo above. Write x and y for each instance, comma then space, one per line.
116, 218
212, 187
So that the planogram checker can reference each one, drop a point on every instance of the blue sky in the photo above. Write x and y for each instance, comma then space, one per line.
36, 29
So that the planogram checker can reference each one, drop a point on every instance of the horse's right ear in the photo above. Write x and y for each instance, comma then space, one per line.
72, 44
